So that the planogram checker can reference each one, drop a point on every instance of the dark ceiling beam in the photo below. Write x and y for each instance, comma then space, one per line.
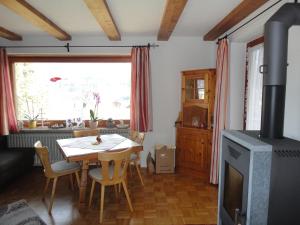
173, 10
25, 10
101, 12
244, 9
4, 33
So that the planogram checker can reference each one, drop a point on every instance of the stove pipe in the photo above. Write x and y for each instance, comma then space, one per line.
274, 69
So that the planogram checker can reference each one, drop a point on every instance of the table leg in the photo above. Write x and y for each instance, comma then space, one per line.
83, 182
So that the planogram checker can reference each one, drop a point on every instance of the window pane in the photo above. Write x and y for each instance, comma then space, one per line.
65, 90
200, 83
254, 92
201, 93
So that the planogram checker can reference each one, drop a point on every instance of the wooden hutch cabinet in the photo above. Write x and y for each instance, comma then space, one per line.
194, 124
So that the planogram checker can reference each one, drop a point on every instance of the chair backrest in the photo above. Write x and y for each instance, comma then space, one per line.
43, 154
137, 137
133, 135
84, 133
118, 161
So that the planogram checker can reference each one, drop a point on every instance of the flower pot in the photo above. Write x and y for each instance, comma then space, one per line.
32, 124
93, 124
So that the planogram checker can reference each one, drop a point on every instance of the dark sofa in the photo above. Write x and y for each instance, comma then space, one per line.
14, 162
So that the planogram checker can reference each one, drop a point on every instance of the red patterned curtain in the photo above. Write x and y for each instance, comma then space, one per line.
8, 121
141, 103
220, 110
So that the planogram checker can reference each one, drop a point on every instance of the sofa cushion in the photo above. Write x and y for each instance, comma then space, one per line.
14, 162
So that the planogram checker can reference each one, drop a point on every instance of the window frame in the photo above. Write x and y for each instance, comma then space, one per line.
64, 59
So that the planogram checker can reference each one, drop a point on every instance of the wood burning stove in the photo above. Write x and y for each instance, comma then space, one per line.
260, 170
259, 180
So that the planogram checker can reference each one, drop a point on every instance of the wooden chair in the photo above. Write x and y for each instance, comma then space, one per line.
135, 159
55, 170
85, 133
112, 172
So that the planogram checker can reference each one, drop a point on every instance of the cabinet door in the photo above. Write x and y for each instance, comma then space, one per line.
187, 147
195, 88
179, 150
208, 151
200, 151
193, 151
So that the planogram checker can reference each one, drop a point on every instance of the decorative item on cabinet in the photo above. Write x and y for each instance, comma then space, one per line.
194, 124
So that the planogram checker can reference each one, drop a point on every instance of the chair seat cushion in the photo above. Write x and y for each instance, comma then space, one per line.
63, 167
96, 173
133, 157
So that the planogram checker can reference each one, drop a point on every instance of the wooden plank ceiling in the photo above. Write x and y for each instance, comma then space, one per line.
239, 13
24, 9
101, 12
172, 12
10, 35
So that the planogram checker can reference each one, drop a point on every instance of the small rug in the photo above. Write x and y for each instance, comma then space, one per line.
19, 213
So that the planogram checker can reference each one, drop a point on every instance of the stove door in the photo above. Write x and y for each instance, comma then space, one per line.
234, 183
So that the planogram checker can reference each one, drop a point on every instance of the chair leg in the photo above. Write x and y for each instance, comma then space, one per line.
139, 172
116, 191
102, 202
92, 192
119, 187
126, 178
52, 194
77, 179
127, 196
130, 169
71, 182
46, 188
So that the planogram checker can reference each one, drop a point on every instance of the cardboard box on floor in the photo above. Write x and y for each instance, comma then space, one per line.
164, 159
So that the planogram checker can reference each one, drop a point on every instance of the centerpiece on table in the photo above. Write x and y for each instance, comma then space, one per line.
31, 116
93, 123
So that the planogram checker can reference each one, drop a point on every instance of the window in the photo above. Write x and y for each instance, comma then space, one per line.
254, 90
65, 90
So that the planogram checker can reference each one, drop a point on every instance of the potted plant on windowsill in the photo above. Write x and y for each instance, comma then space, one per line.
93, 123
31, 116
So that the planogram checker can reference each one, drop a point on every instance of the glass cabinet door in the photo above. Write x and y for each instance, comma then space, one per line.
195, 88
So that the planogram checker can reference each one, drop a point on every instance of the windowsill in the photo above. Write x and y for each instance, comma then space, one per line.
63, 130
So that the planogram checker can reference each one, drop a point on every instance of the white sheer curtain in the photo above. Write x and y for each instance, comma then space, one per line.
255, 83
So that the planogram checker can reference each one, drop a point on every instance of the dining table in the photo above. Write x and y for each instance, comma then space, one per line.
86, 149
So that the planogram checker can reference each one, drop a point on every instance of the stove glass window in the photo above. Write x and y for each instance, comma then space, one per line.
233, 190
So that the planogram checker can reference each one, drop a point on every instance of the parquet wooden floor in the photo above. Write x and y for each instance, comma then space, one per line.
164, 200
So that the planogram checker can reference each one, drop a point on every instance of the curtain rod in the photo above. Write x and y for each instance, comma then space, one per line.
253, 18
68, 46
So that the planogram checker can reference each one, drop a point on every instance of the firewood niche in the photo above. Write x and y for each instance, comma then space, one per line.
195, 122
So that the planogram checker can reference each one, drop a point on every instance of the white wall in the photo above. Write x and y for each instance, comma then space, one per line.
292, 104
167, 61
237, 61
